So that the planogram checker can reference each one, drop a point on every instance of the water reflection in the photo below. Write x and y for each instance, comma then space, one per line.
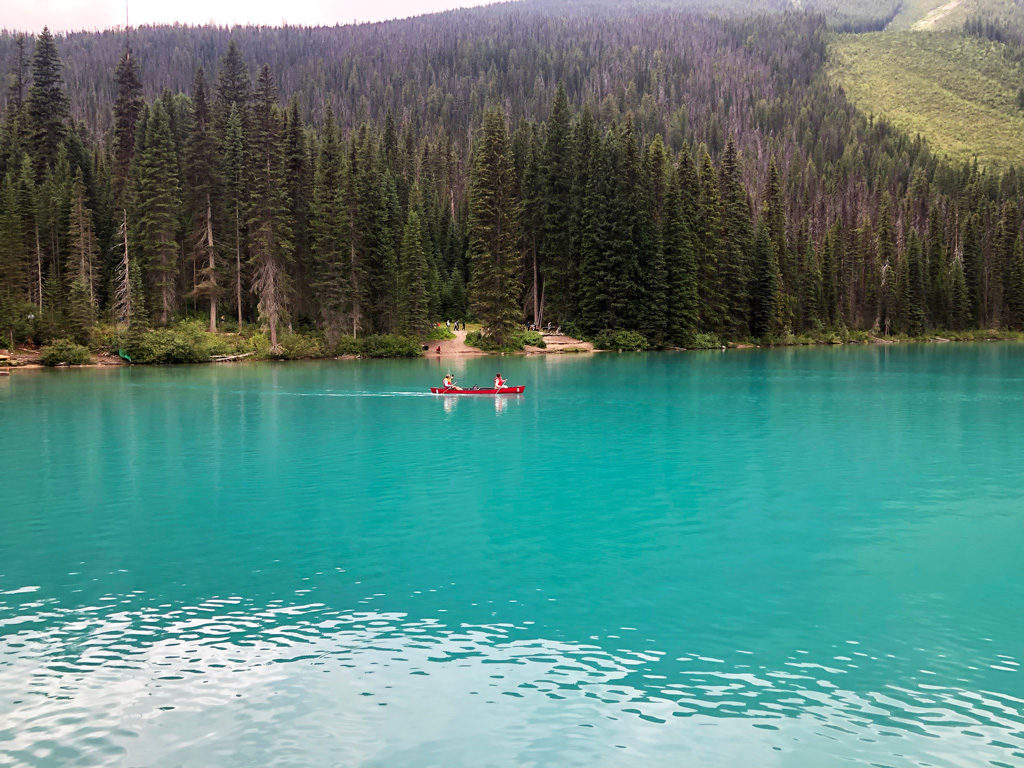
132, 682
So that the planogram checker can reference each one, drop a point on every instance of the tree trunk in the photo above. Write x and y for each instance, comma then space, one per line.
39, 269
212, 265
536, 304
238, 268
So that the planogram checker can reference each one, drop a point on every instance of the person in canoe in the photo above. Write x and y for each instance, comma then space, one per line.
448, 382
498, 381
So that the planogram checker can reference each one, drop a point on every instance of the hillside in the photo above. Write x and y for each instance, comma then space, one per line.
958, 92
659, 178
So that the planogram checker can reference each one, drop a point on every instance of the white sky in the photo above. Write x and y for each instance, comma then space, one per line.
67, 15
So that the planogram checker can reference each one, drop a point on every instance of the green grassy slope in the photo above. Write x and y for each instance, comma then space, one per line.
957, 92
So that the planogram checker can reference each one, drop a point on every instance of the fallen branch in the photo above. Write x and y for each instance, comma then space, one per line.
232, 358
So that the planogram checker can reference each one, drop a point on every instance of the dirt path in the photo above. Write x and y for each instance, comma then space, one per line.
936, 15
449, 347
561, 343
555, 343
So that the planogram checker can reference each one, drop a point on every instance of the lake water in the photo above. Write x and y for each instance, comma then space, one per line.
808, 557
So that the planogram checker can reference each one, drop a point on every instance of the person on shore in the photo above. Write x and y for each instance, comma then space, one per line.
498, 381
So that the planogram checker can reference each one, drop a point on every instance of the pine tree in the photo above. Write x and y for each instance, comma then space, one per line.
775, 219
234, 173
680, 267
713, 308
330, 230
413, 277
298, 176
912, 295
157, 206
557, 204
47, 104
651, 226
960, 299
128, 107
494, 233
811, 299
736, 239
201, 162
82, 248
886, 242
270, 235
764, 306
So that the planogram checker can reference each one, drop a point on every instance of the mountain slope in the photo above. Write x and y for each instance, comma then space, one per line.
958, 92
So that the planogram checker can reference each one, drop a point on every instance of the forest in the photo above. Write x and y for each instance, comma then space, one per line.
674, 179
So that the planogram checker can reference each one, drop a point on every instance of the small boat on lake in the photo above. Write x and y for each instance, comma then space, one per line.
478, 391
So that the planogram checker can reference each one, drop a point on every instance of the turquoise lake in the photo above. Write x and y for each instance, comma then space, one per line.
803, 557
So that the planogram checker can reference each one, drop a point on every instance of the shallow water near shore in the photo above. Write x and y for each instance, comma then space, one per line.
799, 557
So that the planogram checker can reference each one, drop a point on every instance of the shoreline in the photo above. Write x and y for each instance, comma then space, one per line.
27, 359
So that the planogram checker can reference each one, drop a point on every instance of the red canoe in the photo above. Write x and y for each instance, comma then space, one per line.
477, 391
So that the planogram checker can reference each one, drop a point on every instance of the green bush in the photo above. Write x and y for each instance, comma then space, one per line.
299, 346
387, 345
188, 342
439, 333
64, 352
391, 346
704, 341
622, 341
534, 339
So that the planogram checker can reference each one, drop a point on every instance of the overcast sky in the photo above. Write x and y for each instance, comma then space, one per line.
65, 15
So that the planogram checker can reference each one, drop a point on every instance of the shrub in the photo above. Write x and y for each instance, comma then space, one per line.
64, 352
534, 339
439, 333
188, 342
386, 345
299, 346
391, 346
622, 341
704, 341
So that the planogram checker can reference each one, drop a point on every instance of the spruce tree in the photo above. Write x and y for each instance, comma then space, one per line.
128, 107
82, 248
201, 161
494, 234
680, 267
651, 225
764, 307
235, 175
912, 295
47, 104
736, 272
557, 204
413, 267
270, 235
330, 230
157, 201
713, 307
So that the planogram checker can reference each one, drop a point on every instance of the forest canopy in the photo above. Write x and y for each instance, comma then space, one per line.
676, 175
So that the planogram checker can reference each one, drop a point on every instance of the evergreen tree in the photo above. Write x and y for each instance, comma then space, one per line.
764, 298
713, 309
960, 299
494, 231
680, 267
82, 248
270, 233
330, 230
413, 277
886, 242
47, 104
651, 245
557, 204
201, 163
234, 172
912, 294
735, 268
157, 206
128, 107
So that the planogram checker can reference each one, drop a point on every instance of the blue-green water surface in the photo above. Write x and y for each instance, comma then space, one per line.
809, 557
